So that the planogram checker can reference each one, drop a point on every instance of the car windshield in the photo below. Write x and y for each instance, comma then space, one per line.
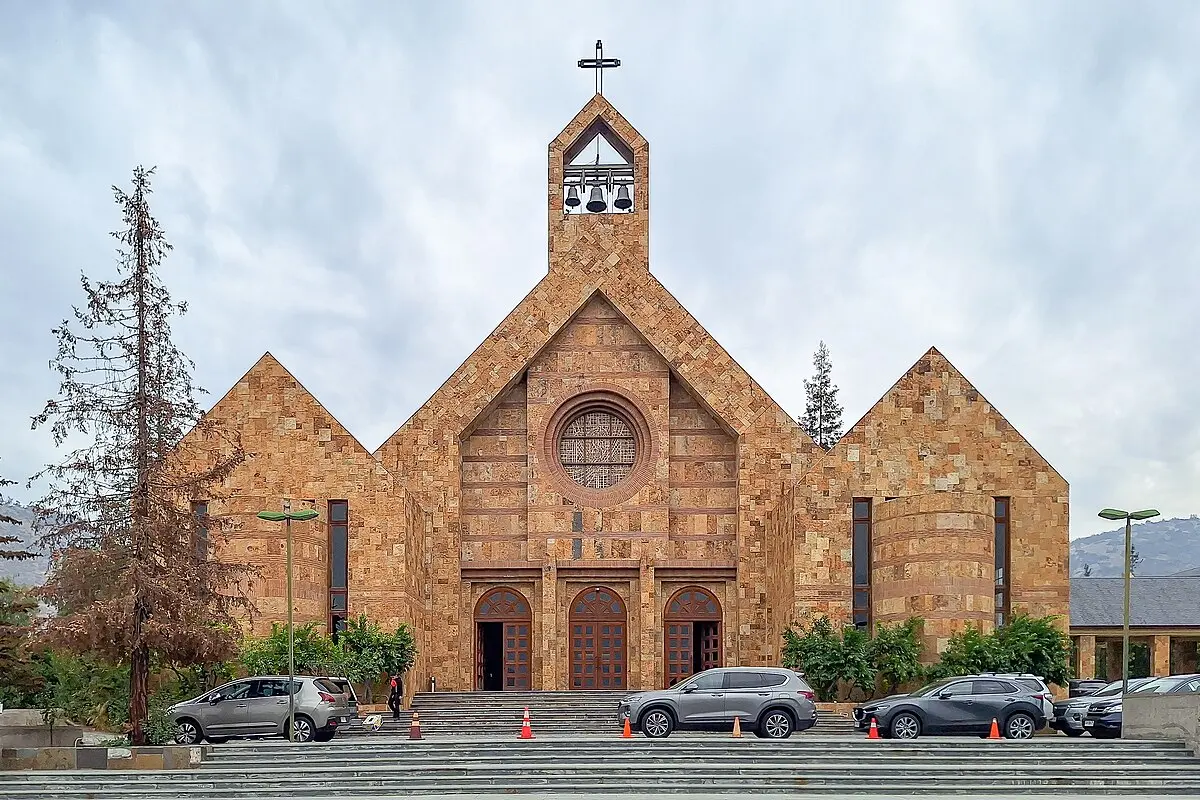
929, 689
1158, 686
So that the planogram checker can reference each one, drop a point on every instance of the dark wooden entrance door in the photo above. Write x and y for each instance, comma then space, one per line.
598, 646
503, 626
692, 624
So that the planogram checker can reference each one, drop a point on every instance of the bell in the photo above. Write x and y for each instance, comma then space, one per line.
596, 202
623, 200
572, 197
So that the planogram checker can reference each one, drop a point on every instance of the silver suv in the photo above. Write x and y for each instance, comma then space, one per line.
770, 701
259, 707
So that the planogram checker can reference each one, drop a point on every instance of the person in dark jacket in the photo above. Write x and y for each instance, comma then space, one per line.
396, 695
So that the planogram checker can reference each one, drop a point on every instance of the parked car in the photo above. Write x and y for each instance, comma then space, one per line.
1033, 683
1103, 719
1069, 713
258, 706
346, 688
773, 702
961, 705
1084, 687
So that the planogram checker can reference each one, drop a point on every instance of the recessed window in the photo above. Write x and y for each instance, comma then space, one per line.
1003, 550
339, 574
597, 449
861, 561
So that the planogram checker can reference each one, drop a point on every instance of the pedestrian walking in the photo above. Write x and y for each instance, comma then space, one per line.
396, 695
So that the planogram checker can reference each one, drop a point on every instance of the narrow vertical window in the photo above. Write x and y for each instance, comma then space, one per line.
339, 535
861, 562
200, 535
1003, 560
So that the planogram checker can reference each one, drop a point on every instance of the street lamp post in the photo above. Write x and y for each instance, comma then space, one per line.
1117, 514
286, 516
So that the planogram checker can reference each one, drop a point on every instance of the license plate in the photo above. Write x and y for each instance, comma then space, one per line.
1088, 723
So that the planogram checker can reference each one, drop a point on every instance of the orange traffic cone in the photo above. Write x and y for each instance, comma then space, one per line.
627, 733
995, 732
526, 731
873, 733
414, 730
737, 727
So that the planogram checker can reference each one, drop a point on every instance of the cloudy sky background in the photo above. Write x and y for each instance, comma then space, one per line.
360, 189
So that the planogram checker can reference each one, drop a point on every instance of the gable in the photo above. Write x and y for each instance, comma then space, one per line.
284, 428
934, 421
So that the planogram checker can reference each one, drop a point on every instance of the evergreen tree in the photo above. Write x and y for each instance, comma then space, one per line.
1135, 559
1087, 570
822, 418
131, 577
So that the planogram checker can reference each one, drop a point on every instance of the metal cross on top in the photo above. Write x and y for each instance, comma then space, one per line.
599, 63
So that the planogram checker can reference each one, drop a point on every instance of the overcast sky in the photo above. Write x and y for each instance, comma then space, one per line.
360, 189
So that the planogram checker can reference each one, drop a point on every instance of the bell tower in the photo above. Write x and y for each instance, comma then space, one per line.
599, 187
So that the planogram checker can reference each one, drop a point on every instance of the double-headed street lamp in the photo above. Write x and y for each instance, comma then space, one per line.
287, 515
1128, 516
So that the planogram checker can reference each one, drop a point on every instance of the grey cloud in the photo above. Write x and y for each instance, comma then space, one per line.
359, 188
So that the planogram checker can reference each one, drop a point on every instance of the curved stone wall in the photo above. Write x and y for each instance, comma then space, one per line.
932, 556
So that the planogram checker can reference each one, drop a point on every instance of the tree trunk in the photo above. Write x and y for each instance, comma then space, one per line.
139, 660
139, 672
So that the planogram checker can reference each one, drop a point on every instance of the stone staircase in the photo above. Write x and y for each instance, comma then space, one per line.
388, 766
499, 714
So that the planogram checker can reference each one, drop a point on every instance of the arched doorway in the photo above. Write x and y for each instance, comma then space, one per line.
693, 633
502, 634
598, 645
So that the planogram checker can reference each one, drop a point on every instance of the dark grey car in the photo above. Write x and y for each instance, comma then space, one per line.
773, 702
965, 705
1069, 713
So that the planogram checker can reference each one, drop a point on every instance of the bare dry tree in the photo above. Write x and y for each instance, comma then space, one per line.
131, 573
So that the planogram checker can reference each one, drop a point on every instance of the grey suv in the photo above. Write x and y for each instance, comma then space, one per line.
770, 701
259, 707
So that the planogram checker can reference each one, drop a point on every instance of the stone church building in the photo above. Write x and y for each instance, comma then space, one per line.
601, 497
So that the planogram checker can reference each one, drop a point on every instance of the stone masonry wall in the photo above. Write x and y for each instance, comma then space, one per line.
934, 432
599, 253
299, 452
933, 557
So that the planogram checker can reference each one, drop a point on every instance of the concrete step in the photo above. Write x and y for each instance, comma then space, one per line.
588, 746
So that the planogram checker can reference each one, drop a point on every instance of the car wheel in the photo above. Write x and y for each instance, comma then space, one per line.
187, 732
776, 724
657, 724
1019, 726
1073, 732
905, 726
304, 730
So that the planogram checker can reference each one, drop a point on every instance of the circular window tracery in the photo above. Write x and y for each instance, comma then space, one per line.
597, 449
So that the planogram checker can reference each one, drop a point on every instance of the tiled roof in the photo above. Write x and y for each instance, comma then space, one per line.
1170, 602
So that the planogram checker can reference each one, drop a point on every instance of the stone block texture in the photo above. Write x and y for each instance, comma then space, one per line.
724, 493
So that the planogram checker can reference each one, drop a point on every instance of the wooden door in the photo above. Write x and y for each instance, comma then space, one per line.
479, 659
692, 616
507, 613
516, 655
710, 644
598, 646
679, 652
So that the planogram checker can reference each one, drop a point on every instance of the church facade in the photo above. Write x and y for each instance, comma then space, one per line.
601, 497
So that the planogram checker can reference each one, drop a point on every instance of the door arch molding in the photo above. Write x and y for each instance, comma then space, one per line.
598, 622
